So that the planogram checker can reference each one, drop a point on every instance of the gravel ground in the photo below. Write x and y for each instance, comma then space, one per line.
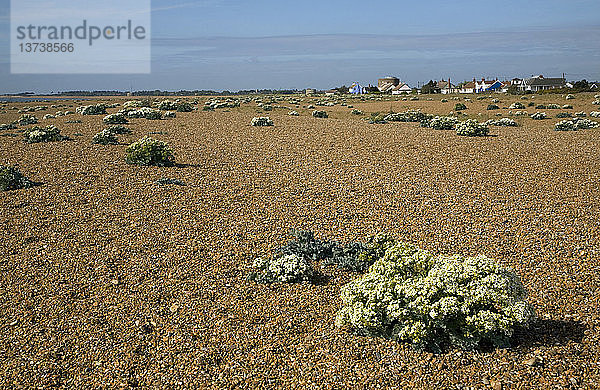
110, 280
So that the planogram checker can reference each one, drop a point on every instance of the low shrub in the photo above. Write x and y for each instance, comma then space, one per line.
48, 116
540, 107
517, 106
377, 118
170, 114
145, 112
166, 181
584, 124
507, 122
319, 114
492, 107
149, 151
596, 102
115, 119
184, 107
567, 107
569, 97
12, 179
293, 113
407, 116
539, 116
267, 107
553, 106
284, 269
440, 122
472, 128
97, 109
356, 112
436, 302
118, 129
27, 119
8, 126
167, 105
580, 114
459, 107
595, 114
564, 115
531, 104
444, 100
105, 137
37, 134
262, 121
565, 126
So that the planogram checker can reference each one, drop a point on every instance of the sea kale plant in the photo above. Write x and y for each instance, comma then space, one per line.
293, 113
97, 109
436, 302
517, 106
472, 128
539, 116
118, 129
288, 268
493, 107
565, 125
27, 119
149, 151
440, 122
459, 107
502, 122
105, 137
12, 179
261, 121
37, 134
407, 116
320, 114
115, 119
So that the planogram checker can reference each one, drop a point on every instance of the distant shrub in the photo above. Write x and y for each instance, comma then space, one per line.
262, 121
584, 124
118, 129
134, 104
567, 107
48, 116
580, 114
595, 114
531, 104
553, 106
502, 122
27, 119
564, 115
440, 122
596, 102
569, 97
472, 128
320, 114
517, 106
105, 137
115, 119
495, 100
565, 126
184, 107
356, 112
149, 151
293, 113
170, 114
97, 109
37, 134
539, 116
444, 100
492, 107
167, 105
8, 126
267, 107
145, 112
520, 113
12, 179
459, 107
407, 116
436, 302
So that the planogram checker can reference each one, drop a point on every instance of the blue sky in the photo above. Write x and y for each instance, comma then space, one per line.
233, 45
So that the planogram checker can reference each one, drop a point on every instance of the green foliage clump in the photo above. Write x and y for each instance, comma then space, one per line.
565, 126
584, 124
436, 302
27, 119
492, 107
531, 104
105, 137
167, 181
150, 151
167, 105
377, 118
580, 114
320, 114
184, 107
459, 107
293, 113
49, 133
115, 119
12, 179
567, 107
517, 106
118, 129
569, 97
564, 115
170, 114
262, 121
145, 112
8, 126
541, 107
553, 106
356, 112
472, 128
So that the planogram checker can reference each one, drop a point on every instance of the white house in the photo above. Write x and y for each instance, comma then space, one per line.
401, 88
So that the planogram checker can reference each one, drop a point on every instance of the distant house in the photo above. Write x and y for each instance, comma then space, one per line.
468, 87
483, 85
445, 87
331, 92
594, 85
310, 91
401, 88
540, 83
385, 88
383, 84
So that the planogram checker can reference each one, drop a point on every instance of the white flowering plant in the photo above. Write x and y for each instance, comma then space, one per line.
37, 134
97, 109
115, 119
595, 114
569, 97
293, 113
149, 151
440, 122
105, 137
472, 128
287, 268
565, 125
407, 116
584, 124
539, 116
517, 106
27, 119
436, 302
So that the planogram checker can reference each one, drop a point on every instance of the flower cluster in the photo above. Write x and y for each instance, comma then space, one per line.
144, 112
517, 106
356, 112
595, 114
289, 268
293, 113
553, 106
436, 302
262, 121
584, 124
407, 116
105, 137
472, 128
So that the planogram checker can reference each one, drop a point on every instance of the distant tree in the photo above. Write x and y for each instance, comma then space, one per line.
581, 85
513, 90
430, 87
342, 89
